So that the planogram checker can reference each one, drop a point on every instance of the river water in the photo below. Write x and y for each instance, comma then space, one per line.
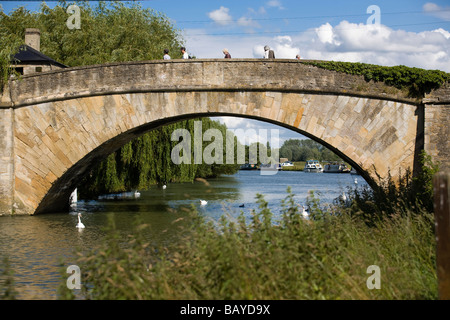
37, 246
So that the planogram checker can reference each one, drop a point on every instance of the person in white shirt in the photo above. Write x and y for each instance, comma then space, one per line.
166, 54
185, 54
268, 54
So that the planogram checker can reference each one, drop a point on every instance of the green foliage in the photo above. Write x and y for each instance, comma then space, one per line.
146, 161
303, 150
416, 81
270, 258
9, 44
391, 196
113, 31
423, 183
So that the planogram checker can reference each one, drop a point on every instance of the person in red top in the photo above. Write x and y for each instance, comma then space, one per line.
226, 53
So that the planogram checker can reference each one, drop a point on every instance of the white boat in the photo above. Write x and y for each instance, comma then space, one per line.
287, 164
336, 167
313, 166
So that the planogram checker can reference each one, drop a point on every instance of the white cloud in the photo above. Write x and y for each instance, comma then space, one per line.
325, 33
378, 44
281, 45
284, 48
275, 4
437, 11
220, 16
233, 122
259, 131
247, 22
445, 33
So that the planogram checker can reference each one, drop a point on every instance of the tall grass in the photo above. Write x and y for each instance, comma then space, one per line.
265, 257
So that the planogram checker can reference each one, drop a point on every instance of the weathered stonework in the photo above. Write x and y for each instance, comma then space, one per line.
437, 134
64, 122
6, 165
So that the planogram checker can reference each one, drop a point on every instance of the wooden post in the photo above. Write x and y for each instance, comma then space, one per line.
442, 216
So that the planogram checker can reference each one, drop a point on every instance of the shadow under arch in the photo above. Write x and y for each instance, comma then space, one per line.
57, 197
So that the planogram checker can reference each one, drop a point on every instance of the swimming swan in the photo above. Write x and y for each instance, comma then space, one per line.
305, 213
203, 202
80, 225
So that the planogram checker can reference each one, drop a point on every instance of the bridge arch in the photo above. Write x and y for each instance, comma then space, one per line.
65, 121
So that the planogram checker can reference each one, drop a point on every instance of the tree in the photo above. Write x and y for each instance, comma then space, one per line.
110, 32
306, 149
146, 161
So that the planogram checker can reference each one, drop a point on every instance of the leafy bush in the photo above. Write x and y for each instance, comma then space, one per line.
391, 196
417, 81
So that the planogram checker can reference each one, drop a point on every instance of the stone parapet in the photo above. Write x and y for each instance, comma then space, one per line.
194, 75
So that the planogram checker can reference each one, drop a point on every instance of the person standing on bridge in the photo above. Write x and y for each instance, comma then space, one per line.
166, 54
185, 54
268, 53
226, 53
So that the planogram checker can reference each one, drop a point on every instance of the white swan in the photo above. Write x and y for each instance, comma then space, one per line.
203, 202
137, 194
80, 225
343, 197
305, 213
164, 186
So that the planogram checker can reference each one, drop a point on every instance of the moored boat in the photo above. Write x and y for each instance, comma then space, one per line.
336, 167
313, 166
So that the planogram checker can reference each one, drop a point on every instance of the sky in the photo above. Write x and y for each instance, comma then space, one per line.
414, 33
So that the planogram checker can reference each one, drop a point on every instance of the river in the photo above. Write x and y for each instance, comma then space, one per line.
36, 246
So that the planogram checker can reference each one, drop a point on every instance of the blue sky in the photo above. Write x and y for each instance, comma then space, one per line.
410, 32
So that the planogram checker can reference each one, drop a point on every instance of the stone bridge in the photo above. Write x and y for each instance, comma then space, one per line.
55, 125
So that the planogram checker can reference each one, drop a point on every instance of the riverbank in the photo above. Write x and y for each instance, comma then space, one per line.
327, 257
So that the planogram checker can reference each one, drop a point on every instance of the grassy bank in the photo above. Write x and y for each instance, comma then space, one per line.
325, 257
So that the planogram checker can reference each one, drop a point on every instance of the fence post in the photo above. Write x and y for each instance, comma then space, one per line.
442, 217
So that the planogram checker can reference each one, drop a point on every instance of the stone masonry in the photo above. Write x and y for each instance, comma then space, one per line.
56, 125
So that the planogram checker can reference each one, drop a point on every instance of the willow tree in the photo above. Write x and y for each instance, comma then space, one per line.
147, 160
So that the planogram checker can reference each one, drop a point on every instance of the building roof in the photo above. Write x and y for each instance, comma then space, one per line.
28, 54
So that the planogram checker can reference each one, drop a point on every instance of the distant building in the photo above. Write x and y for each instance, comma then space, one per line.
29, 59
